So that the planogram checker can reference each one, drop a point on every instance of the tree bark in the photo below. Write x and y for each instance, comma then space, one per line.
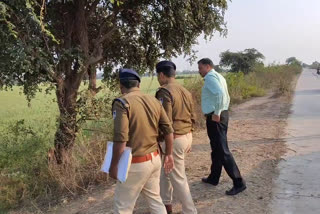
68, 83
66, 133
92, 73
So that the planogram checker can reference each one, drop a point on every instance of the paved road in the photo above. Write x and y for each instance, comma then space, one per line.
297, 189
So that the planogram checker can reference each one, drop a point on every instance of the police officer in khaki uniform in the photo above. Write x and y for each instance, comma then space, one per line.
178, 104
137, 120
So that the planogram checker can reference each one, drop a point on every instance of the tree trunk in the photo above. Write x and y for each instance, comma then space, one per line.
70, 77
66, 133
92, 73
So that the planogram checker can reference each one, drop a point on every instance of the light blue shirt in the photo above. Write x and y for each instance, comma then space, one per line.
214, 96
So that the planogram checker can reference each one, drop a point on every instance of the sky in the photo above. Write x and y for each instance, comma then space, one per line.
278, 29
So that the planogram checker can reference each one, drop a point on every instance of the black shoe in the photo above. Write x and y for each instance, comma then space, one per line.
235, 190
207, 181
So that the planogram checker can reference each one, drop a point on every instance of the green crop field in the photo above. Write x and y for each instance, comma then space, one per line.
43, 108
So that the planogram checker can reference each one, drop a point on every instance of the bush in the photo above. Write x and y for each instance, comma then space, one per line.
242, 87
23, 163
278, 78
194, 85
82, 167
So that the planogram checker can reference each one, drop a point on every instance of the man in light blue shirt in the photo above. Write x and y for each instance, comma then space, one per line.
215, 96
215, 102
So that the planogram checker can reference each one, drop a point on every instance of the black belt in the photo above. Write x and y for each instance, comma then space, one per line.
209, 114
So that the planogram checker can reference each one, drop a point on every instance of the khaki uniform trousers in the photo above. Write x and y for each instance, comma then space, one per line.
176, 182
145, 178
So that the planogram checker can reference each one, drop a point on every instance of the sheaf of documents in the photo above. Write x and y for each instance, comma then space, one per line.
124, 162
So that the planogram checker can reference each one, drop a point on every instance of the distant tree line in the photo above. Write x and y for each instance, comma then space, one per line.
245, 61
314, 65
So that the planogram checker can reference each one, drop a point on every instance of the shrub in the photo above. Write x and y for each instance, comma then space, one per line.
23, 163
194, 85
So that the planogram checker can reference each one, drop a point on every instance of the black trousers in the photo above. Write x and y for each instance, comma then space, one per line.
220, 154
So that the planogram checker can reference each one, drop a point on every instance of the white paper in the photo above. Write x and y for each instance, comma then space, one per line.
124, 162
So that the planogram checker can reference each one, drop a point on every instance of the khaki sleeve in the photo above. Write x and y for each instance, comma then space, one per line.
164, 123
164, 97
193, 115
120, 122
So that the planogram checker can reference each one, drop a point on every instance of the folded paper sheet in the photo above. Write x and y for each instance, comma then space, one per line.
124, 162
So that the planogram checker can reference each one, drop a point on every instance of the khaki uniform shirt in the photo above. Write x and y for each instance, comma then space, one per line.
178, 104
139, 121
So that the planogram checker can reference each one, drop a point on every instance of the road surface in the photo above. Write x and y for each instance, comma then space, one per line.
297, 189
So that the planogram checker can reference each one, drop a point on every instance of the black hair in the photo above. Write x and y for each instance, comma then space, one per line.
127, 83
206, 61
167, 71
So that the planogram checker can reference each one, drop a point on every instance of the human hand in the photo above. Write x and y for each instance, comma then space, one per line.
189, 150
215, 118
168, 163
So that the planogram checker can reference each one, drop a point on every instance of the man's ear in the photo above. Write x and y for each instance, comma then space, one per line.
209, 68
138, 85
161, 75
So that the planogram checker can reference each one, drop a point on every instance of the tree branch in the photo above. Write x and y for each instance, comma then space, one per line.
53, 75
107, 35
96, 55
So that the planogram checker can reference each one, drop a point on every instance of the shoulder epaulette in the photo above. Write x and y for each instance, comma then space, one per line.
123, 102
166, 90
